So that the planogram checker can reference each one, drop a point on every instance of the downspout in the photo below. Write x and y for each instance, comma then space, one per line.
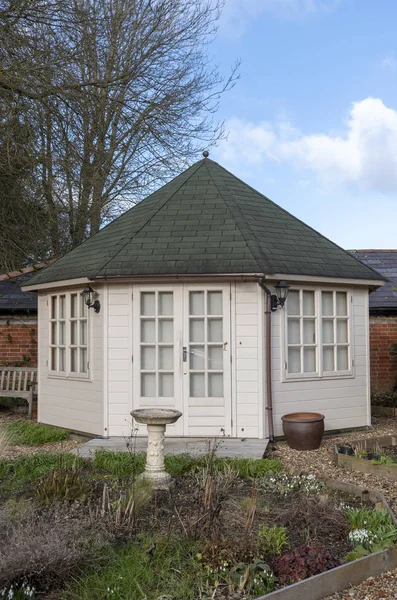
269, 395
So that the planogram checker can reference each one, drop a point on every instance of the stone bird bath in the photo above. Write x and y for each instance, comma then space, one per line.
156, 420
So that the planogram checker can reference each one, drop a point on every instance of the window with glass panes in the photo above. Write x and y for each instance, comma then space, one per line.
68, 334
58, 333
317, 335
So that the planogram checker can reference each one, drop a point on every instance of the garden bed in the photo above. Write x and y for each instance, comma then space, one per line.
376, 456
227, 529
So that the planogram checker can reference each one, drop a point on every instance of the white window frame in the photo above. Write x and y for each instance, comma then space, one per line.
320, 373
67, 373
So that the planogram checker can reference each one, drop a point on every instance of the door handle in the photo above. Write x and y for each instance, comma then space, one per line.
224, 346
184, 354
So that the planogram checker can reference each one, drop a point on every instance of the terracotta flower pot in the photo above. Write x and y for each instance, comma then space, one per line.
303, 430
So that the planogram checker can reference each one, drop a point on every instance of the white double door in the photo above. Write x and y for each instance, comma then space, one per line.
181, 355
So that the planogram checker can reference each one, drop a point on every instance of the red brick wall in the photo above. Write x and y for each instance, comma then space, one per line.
18, 342
383, 353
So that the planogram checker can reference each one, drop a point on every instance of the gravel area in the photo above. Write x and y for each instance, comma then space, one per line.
321, 462
9, 452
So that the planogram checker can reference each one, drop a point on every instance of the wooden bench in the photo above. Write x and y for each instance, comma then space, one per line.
18, 382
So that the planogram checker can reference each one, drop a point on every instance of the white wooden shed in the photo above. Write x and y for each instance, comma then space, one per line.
185, 319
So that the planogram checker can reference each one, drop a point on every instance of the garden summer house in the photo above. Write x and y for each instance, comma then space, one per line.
184, 313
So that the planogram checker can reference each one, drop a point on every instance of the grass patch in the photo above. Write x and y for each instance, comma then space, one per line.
27, 468
123, 464
24, 433
149, 569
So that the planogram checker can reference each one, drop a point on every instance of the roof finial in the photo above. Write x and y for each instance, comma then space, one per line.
206, 154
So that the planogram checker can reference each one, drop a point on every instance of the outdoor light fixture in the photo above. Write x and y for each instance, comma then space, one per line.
88, 292
279, 298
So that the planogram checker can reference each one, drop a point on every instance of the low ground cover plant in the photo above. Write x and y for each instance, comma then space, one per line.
370, 531
388, 399
227, 528
25, 433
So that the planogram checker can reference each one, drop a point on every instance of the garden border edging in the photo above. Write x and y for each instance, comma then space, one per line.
352, 573
338, 579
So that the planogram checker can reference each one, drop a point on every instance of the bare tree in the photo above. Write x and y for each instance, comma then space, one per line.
124, 95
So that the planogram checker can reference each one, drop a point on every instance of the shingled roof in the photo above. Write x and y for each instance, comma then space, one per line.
384, 299
205, 221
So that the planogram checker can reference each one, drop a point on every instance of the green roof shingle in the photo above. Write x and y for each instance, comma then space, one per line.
205, 221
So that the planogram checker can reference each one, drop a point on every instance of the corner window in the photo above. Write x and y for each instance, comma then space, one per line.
68, 335
317, 333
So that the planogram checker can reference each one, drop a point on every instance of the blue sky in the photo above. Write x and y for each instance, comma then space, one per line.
313, 120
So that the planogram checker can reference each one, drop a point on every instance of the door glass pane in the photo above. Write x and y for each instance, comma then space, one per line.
309, 331
341, 331
196, 330
294, 332
214, 306
294, 360
308, 303
197, 382
328, 359
148, 306
54, 339
148, 330
328, 331
54, 312
342, 358
53, 359
215, 358
73, 305
62, 331
166, 384
73, 333
62, 359
83, 360
196, 303
341, 304
148, 358
73, 360
62, 309
166, 304
327, 299
83, 333
166, 358
293, 305
166, 330
196, 358
215, 385
215, 330
148, 385
309, 360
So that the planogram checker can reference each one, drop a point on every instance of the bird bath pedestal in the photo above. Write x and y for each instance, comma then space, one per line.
156, 420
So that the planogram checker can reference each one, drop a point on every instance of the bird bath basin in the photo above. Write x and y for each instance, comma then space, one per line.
156, 420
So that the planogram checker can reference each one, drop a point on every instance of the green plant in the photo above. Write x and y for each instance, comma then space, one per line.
15, 473
272, 540
62, 484
253, 578
24, 433
384, 399
367, 518
371, 530
119, 464
284, 484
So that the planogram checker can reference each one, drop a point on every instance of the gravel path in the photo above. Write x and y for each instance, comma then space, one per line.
7, 451
321, 462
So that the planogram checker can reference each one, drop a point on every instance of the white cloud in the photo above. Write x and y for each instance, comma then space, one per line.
237, 15
363, 156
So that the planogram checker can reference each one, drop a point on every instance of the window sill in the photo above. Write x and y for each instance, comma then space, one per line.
84, 377
328, 377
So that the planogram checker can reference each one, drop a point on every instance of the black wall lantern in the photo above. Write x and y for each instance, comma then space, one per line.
279, 298
88, 293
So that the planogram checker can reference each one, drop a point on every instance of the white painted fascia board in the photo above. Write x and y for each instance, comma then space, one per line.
184, 278
330, 280
67, 283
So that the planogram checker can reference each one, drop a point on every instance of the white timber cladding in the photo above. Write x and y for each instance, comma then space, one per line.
67, 400
343, 399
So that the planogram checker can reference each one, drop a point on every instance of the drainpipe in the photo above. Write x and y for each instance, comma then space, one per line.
269, 396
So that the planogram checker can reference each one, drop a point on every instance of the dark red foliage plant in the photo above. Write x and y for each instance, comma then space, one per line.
303, 562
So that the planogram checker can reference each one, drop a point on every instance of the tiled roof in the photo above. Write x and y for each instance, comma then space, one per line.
383, 299
12, 298
205, 221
